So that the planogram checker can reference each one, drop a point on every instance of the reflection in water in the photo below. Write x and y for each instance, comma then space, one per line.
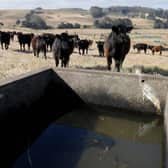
115, 124
93, 137
145, 128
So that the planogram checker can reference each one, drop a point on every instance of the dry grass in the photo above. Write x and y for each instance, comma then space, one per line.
14, 62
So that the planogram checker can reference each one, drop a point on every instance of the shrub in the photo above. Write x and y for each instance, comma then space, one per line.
107, 22
34, 21
158, 24
96, 12
18, 22
64, 25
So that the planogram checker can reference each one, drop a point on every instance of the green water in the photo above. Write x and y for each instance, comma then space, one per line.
129, 129
92, 137
132, 127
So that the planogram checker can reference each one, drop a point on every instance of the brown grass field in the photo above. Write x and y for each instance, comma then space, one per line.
13, 62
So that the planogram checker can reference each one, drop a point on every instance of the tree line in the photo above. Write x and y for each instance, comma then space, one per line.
100, 17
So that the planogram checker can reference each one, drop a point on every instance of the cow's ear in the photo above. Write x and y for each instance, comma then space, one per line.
115, 29
128, 29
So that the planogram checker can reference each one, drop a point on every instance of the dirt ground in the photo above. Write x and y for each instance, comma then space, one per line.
13, 62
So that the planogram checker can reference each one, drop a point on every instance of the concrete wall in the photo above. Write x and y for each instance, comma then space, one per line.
28, 104
22, 91
123, 91
17, 96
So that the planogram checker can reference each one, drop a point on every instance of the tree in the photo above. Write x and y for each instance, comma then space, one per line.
18, 22
96, 12
158, 24
107, 22
64, 25
34, 21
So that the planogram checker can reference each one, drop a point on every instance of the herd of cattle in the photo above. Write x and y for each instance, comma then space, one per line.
144, 47
116, 46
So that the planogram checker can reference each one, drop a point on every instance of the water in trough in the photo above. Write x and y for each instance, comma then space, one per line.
90, 137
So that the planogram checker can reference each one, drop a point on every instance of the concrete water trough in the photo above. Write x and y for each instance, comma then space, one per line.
31, 102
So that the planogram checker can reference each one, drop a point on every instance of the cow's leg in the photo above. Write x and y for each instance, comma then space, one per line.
56, 61
47, 47
160, 52
50, 47
67, 61
83, 51
153, 52
109, 62
34, 51
23, 47
45, 50
62, 62
86, 50
6, 46
117, 65
20, 47
2, 45
38, 51
79, 51
29, 46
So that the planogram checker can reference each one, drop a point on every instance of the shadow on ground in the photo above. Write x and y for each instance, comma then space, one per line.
149, 70
18, 50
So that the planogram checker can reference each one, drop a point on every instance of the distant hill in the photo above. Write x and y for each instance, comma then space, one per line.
137, 11
142, 17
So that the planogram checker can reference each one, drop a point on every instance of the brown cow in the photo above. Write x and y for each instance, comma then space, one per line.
156, 49
39, 44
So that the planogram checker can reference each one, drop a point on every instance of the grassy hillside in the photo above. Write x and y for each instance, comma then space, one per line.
53, 17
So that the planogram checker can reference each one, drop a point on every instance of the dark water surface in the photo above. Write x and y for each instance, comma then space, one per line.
91, 137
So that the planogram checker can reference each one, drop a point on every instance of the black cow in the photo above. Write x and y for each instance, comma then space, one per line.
24, 39
62, 49
84, 46
5, 39
117, 46
100, 46
39, 44
49, 38
140, 46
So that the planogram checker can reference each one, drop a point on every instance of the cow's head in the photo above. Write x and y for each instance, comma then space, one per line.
121, 29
